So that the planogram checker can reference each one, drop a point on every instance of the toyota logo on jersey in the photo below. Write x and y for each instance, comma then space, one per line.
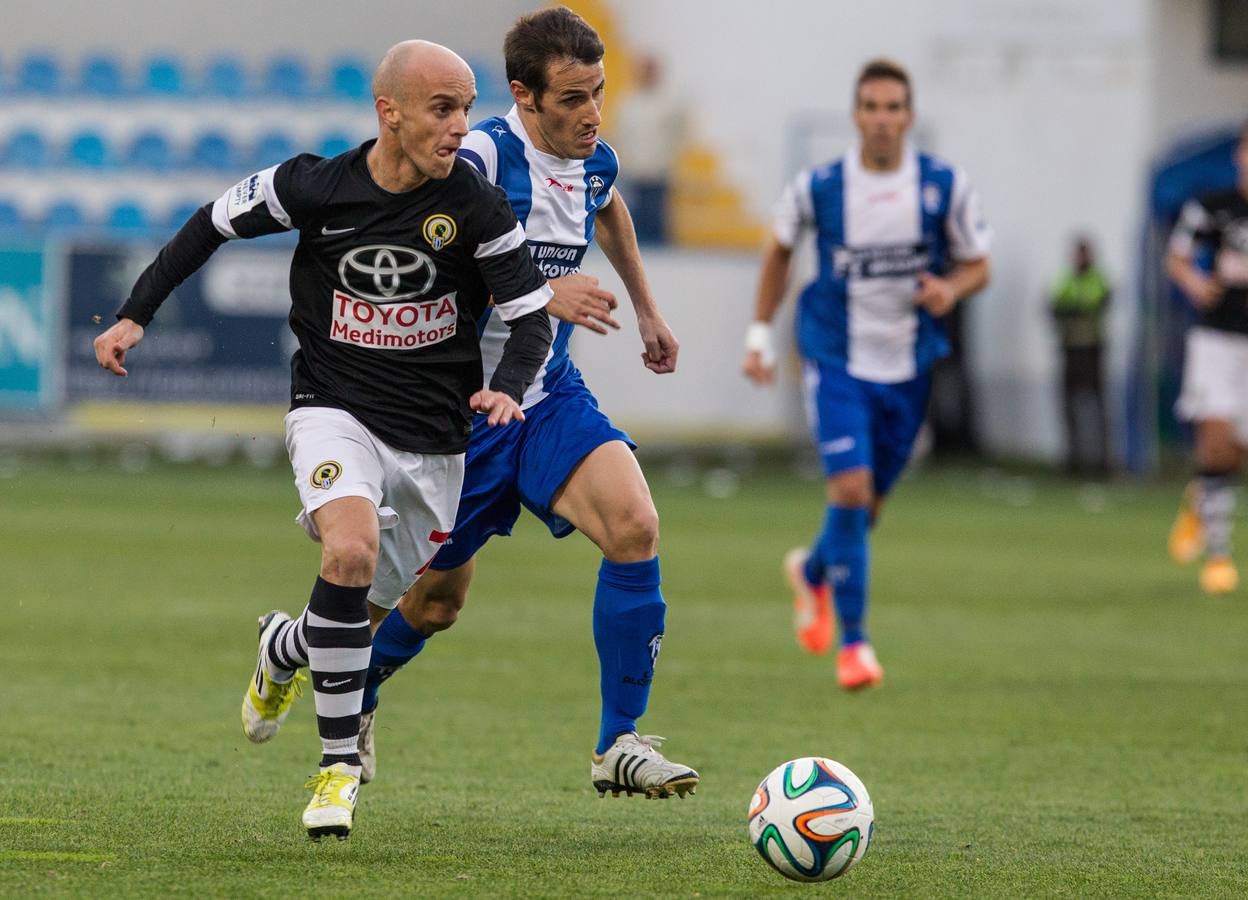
384, 273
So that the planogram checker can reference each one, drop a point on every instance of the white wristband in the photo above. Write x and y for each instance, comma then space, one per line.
758, 340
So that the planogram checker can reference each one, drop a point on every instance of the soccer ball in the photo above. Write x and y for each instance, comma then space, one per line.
811, 819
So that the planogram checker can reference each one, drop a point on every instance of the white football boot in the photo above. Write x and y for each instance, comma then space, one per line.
368, 749
634, 765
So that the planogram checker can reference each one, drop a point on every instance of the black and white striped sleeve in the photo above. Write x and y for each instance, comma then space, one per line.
520, 296
255, 206
503, 257
1194, 227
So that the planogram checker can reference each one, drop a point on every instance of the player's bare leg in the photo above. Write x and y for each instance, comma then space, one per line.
606, 497
430, 605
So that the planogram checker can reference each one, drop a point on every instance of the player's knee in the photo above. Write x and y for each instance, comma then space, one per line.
433, 609
1219, 456
349, 560
439, 615
853, 491
633, 535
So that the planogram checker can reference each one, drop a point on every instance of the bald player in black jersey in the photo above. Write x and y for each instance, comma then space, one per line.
401, 247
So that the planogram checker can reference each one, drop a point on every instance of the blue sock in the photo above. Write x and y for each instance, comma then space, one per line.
628, 631
842, 557
394, 644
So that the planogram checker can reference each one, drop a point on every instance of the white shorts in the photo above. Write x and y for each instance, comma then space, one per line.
416, 494
1215, 379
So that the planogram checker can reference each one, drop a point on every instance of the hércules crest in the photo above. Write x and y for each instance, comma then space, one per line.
439, 230
324, 475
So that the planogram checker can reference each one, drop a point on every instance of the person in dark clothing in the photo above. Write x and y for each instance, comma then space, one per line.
1079, 301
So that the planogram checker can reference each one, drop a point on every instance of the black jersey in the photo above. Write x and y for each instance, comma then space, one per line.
1219, 222
386, 289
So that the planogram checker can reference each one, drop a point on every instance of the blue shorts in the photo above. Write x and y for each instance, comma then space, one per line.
860, 424
525, 463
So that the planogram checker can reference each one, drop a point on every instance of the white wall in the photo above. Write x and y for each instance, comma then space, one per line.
705, 398
1191, 90
1044, 102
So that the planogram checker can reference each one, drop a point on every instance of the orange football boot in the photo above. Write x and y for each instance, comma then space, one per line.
857, 667
812, 605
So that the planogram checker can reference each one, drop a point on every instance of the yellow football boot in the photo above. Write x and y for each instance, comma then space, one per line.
1219, 576
332, 807
1187, 538
267, 702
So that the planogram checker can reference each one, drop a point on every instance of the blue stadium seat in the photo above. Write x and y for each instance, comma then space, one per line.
164, 76
127, 216
212, 150
286, 77
10, 215
26, 148
150, 150
225, 77
334, 143
101, 75
349, 80
179, 215
270, 149
39, 73
64, 214
87, 150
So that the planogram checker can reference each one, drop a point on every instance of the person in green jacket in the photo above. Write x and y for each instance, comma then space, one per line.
1080, 298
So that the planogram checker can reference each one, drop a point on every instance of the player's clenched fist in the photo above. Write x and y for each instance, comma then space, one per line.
112, 345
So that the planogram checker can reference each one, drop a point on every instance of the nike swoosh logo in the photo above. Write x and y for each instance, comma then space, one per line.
330, 684
326, 230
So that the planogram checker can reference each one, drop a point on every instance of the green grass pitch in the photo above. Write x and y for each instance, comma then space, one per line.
1063, 715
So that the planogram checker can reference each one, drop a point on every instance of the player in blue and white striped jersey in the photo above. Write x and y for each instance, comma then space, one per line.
567, 463
900, 240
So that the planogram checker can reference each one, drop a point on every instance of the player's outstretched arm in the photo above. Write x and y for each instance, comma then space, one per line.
177, 260
614, 231
579, 300
759, 364
258, 205
111, 346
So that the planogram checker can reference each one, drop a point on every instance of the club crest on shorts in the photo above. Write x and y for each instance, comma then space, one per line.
324, 475
439, 230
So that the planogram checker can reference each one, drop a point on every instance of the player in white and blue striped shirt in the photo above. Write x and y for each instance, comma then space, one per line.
900, 240
566, 462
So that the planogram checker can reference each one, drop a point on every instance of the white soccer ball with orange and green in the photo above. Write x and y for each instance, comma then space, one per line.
811, 819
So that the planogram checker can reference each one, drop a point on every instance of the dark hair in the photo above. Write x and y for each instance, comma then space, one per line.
884, 69
538, 38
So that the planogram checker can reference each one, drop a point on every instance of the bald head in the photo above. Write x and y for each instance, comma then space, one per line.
414, 62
